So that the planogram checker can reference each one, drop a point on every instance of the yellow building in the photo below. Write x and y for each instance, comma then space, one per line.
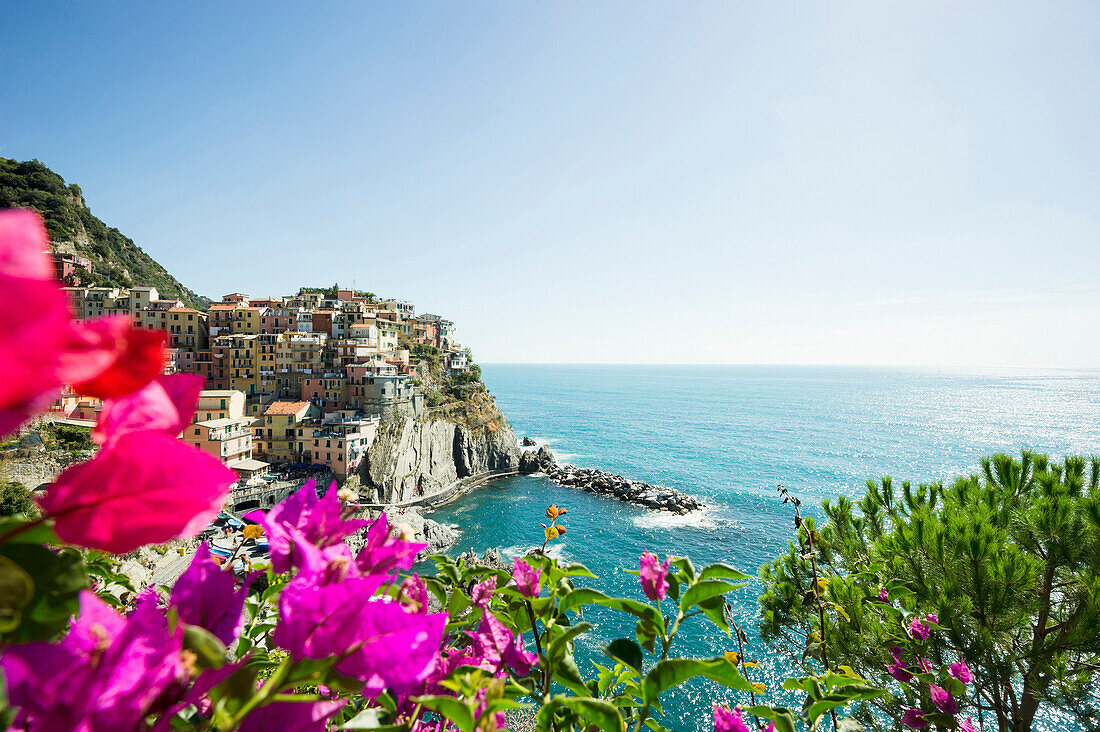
279, 430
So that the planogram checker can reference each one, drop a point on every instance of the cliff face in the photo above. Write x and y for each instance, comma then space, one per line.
416, 457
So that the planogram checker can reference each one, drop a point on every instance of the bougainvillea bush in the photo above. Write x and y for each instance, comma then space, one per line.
318, 636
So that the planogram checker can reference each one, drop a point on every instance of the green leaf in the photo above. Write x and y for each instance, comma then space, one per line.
205, 645
561, 641
782, 716
646, 632
722, 571
41, 533
627, 651
675, 671
568, 675
576, 569
586, 596
58, 577
451, 708
704, 590
16, 592
598, 712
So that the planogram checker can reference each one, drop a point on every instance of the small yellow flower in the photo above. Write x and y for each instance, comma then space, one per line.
253, 531
733, 657
758, 687
752, 664
180, 550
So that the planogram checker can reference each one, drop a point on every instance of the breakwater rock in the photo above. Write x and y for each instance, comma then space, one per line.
607, 484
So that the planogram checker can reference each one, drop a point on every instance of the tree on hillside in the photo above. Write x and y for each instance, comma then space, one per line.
1008, 560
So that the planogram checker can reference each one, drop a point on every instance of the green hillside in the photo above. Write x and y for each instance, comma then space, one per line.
117, 260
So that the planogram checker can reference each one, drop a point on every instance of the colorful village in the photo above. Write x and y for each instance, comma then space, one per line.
295, 386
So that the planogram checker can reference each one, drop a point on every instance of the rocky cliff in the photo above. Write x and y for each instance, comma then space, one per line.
415, 457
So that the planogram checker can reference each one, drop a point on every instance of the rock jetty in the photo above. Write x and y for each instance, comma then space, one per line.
607, 484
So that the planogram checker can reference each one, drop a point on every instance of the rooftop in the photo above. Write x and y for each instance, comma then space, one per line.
286, 407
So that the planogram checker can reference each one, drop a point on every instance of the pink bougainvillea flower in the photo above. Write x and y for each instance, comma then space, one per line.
384, 552
918, 629
961, 671
108, 674
914, 719
483, 591
526, 578
36, 325
899, 672
292, 716
496, 648
122, 358
317, 520
925, 665
377, 641
884, 595
967, 725
732, 720
653, 576
207, 596
146, 488
165, 404
931, 618
943, 699
896, 652
414, 595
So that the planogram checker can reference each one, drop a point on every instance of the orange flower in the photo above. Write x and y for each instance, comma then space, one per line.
552, 512
253, 531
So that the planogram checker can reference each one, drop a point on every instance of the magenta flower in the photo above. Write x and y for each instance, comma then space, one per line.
914, 719
207, 596
931, 618
317, 520
146, 488
526, 578
918, 629
108, 674
377, 641
483, 591
732, 720
163, 405
653, 576
925, 665
384, 552
943, 699
124, 358
896, 652
883, 595
961, 671
496, 648
967, 725
413, 594
41, 347
899, 672
292, 716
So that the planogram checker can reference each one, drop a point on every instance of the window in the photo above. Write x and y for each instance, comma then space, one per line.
223, 403
197, 432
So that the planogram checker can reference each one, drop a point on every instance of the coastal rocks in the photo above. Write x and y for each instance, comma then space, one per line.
492, 559
527, 442
535, 461
616, 486
413, 458
424, 530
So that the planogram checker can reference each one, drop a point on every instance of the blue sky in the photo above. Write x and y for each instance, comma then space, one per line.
858, 183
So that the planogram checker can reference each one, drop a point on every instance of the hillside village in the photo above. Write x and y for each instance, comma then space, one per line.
294, 385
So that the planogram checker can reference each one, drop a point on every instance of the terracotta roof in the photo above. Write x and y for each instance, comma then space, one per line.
286, 407
225, 306
183, 310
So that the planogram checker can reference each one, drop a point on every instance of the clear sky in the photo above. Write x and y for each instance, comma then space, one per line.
859, 183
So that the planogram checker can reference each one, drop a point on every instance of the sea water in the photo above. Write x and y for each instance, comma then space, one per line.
729, 436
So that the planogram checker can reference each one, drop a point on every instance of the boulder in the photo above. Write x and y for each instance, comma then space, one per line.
529, 463
527, 442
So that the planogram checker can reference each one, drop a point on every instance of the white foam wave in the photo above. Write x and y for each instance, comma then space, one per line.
701, 519
556, 551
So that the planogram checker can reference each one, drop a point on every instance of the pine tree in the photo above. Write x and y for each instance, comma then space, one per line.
1009, 560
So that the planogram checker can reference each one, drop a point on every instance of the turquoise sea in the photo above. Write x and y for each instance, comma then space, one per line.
729, 435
